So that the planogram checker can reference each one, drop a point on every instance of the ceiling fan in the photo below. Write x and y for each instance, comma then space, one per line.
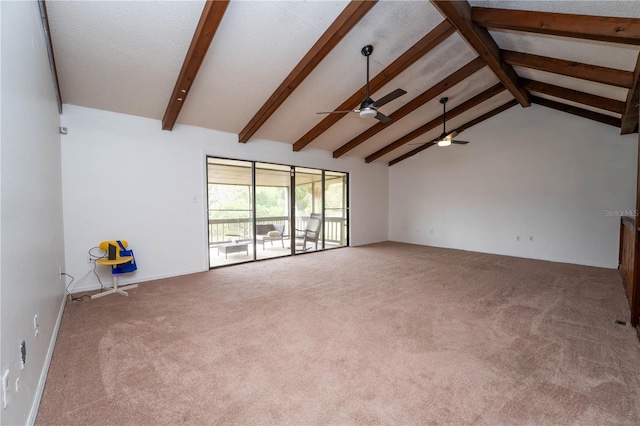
446, 139
369, 107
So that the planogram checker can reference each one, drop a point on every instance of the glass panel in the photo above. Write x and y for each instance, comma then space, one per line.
336, 222
273, 222
230, 201
308, 210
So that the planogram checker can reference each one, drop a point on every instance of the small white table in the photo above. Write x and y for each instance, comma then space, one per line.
115, 288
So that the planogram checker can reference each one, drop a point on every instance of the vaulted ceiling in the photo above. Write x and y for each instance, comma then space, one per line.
263, 69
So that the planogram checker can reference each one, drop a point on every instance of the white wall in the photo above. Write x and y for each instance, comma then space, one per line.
527, 172
31, 208
125, 178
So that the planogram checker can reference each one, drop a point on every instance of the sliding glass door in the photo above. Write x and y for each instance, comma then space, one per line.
308, 209
259, 210
230, 200
273, 209
336, 212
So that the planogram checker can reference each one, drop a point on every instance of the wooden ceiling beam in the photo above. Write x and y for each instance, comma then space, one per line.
348, 18
415, 103
580, 112
476, 100
459, 14
629, 121
415, 52
487, 115
415, 151
459, 130
207, 26
601, 28
601, 102
595, 73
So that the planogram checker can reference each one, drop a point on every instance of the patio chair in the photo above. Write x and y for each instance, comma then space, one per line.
270, 232
310, 234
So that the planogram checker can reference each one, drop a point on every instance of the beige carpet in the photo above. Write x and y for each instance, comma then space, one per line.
388, 333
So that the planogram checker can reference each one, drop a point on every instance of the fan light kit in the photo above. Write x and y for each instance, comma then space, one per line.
369, 107
445, 138
446, 141
368, 113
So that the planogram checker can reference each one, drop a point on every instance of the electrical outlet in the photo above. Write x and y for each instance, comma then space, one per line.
23, 354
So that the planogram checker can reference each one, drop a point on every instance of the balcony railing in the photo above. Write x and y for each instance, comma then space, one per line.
225, 230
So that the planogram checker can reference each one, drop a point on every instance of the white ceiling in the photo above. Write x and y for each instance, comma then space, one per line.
121, 56
125, 56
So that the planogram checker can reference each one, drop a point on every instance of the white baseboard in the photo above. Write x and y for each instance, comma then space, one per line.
123, 282
45, 368
522, 256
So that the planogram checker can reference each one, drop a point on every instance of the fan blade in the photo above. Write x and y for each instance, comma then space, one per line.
338, 112
424, 143
382, 118
460, 142
389, 97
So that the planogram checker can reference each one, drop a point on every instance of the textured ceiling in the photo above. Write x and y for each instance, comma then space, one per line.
125, 56
121, 56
